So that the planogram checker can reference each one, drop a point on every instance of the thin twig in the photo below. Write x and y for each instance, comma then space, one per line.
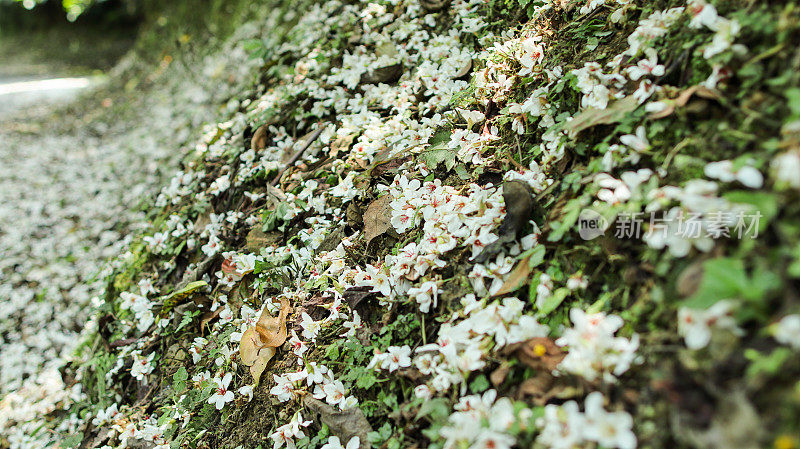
298, 154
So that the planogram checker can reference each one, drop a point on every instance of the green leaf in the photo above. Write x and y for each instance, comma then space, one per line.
180, 375
479, 384
574, 210
769, 364
433, 157
434, 409
555, 300
763, 202
537, 256
461, 171
723, 278
793, 100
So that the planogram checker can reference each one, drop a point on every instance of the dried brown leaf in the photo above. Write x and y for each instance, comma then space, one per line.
249, 346
341, 145
257, 346
516, 278
690, 279
541, 353
263, 357
273, 329
377, 218
499, 375
540, 388
259, 140
592, 117
345, 424
683, 98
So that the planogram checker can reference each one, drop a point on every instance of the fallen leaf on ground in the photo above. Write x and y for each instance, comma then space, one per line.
354, 295
377, 218
258, 343
538, 353
689, 280
499, 375
592, 117
520, 208
259, 140
273, 329
541, 388
173, 299
683, 98
516, 278
342, 144
345, 424
254, 354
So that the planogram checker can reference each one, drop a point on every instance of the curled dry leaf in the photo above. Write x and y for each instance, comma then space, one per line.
259, 140
345, 424
683, 98
499, 375
517, 277
539, 353
590, 117
271, 329
543, 387
258, 343
377, 218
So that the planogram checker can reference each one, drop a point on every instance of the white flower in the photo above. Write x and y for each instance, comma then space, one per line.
637, 142
142, 366
334, 443
221, 395
723, 170
422, 391
297, 346
696, 325
197, 348
786, 167
287, 433
394, 358
246, 391
284, 388
310, 327
425, 295
334, 392
561, 426
609, 429
787, 331
646, 67
352, 325
726, 32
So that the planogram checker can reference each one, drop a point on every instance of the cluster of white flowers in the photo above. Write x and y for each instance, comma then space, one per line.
697, 325
787, 331
594, 350
460, 346
387, 96
286, 434
484, 421
449, 220
565, 426
289, 386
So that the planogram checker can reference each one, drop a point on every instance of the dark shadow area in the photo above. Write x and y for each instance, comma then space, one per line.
42, 41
